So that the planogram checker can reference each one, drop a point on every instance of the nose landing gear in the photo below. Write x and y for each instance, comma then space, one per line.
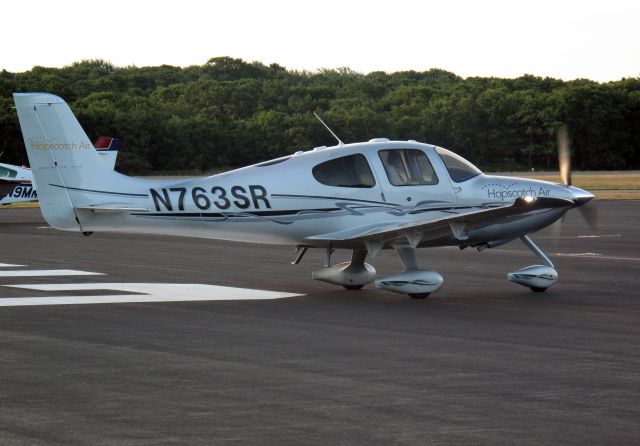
537, 277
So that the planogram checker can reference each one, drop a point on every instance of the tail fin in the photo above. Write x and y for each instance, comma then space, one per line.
107, 147
65, 166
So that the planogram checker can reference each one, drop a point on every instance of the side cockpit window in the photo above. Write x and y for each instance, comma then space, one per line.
459, 168
347, 171
407, 167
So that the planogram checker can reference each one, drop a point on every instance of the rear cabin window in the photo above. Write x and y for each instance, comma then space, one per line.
347, 171
7, 173
407, 167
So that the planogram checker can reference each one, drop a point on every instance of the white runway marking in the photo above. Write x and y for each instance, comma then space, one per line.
153, 292
9, 265
580, 254
46, 272
569, 237
595, 255
599, 236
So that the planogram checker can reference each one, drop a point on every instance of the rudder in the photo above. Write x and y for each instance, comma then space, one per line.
62, 157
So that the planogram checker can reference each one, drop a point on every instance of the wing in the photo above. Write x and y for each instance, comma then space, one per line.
456, 222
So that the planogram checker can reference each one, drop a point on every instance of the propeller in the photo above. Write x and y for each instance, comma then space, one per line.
589, 213
564, 155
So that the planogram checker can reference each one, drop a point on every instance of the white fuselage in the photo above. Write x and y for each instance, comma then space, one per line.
282, 202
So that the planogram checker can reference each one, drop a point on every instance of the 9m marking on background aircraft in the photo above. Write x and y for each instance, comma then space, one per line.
363, 197
16, 182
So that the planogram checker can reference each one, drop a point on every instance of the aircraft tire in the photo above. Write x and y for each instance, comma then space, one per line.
419, 295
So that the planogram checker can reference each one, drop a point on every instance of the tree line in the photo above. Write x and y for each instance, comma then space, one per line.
229, 113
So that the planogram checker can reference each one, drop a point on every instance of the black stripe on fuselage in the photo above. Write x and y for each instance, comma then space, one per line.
443, 208
340, 199
183, 214
126, 194
238, 214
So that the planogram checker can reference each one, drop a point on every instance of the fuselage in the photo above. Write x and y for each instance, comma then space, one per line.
321, 191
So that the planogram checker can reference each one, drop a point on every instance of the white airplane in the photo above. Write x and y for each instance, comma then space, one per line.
16, 182
362, 197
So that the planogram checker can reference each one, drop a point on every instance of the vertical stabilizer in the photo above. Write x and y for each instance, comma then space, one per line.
63, 160
108, 147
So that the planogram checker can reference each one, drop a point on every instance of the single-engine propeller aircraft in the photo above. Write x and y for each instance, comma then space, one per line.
16, 182
362, 197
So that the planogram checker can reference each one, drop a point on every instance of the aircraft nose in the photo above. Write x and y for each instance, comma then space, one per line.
580, 196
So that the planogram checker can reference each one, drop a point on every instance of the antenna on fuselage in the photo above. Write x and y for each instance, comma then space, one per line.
340, 143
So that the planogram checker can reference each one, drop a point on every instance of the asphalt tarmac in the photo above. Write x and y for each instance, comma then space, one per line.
482, 361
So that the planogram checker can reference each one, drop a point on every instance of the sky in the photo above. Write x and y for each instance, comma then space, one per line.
598, 40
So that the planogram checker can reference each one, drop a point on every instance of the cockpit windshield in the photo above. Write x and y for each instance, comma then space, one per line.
459, 168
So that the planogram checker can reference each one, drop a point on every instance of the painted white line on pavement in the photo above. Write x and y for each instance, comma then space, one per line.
46, 272
153, 292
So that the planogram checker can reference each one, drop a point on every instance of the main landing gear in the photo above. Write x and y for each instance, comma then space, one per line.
537, 277
352, 275
418, 283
